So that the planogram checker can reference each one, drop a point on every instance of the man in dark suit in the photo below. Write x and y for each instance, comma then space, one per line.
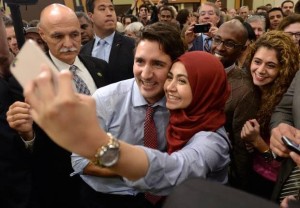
109, 45
285, 121
60, 29
209, 14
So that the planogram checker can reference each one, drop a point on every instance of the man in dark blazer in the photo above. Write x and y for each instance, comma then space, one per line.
209, 14
285, 121
52, 183
118, 49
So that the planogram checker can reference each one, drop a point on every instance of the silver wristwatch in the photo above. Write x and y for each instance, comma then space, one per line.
108, 155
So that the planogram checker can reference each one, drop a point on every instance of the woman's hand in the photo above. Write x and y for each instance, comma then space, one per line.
67, 117
251, 131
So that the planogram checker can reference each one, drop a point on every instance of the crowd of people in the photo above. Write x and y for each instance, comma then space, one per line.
143, 102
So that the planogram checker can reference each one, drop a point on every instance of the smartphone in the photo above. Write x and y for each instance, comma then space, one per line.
201, 28
27, 64
291, 145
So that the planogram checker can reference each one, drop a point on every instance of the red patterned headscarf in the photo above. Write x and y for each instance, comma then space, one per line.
210, 90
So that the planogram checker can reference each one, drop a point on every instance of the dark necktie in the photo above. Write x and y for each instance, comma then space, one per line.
150, 140
79, 83
292, 184
150, 134
206, 44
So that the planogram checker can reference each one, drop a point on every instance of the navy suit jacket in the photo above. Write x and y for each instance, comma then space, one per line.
120, 58
197, 44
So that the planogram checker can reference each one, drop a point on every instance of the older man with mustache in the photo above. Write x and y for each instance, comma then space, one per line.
60, 29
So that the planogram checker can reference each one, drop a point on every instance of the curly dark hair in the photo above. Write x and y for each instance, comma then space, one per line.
288, 58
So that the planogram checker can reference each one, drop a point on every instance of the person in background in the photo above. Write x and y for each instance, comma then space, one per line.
209, 14
109, 45
86, 26
244, 12
134, 30
183, 18
275, 16
273, 66
285, 122
33, 34
261, 9
232, 13
258, 24
129, 18
11, 37
165, 14
287, 7
291, 26
218, 3
242, 60
228, 45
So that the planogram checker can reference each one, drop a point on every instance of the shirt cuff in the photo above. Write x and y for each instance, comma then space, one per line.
29, 144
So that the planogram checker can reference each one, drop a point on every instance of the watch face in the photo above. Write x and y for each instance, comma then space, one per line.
109, 157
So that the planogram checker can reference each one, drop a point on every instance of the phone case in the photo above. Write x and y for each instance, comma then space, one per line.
27, 64
291, 145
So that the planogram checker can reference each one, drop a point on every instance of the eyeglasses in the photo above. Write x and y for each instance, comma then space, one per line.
227, 43
295, 34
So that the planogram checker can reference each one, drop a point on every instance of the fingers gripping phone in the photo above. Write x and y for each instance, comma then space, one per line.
201, 28
291, 145
27, 64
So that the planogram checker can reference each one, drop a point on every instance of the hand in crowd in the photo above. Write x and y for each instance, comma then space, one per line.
19, 118
67, 117
276, 143
285, 202
212, 31
189, 34
250, 131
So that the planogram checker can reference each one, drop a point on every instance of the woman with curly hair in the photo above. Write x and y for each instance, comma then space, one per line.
273, 65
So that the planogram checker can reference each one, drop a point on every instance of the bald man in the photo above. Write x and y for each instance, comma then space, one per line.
54, 187
228, 45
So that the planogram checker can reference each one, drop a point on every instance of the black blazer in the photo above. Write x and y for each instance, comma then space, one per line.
15, 159
120, 58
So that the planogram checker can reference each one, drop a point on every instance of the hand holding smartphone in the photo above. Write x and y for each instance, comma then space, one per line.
27, 64
291, 145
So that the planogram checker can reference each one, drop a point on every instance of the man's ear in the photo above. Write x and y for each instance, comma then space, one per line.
42, 34
90, 14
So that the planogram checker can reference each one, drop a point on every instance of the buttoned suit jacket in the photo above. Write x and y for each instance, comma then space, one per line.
287, 111
120, 58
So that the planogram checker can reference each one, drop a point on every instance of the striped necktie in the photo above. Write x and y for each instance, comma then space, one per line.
206, 46
81, 86
292, 184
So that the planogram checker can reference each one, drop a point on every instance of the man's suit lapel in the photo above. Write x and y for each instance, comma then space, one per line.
117, 41
91, 67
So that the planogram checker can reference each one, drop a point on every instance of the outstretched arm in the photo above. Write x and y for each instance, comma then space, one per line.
61, 113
